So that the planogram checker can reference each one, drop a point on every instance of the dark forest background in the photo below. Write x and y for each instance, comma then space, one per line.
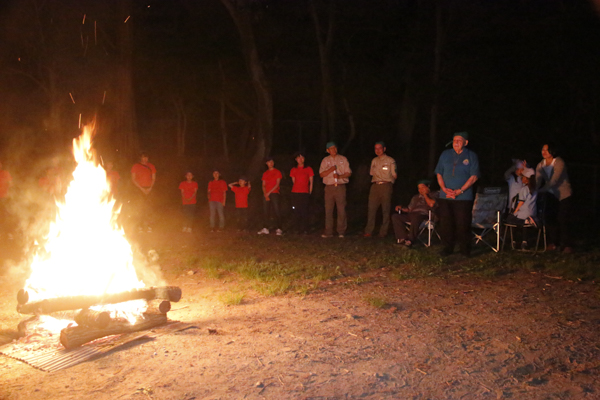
223, 83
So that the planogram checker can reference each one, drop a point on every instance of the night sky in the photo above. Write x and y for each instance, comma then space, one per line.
513, 73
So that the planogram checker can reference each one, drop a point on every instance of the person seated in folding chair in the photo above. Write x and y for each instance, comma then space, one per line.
416, 212
515, 183
526, 209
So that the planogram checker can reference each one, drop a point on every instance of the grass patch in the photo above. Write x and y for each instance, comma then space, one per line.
376, 301
273, 288
231, 298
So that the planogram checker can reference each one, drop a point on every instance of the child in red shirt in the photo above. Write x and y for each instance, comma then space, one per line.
217, 191
270, 186
241, 188
188, 200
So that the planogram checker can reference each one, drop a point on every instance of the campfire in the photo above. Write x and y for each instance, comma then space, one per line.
84, 269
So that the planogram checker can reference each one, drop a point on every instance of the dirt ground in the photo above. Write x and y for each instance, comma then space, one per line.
521, 336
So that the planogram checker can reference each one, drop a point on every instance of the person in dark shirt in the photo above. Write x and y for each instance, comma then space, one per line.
416, 212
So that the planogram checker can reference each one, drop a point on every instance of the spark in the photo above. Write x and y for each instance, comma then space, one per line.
72, 99
80, 120
83, 22
95, 35
126, 19
104, 97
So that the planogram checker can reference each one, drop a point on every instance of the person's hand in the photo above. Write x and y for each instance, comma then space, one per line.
449, 193
398, 208
267, 198
223, 204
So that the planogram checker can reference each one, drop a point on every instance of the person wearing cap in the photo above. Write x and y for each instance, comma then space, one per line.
525, 210
302, 178
270, 186
553, 183
457, 171
143, 177
217, 196
383, 175
515, 184
335, 172
416, 212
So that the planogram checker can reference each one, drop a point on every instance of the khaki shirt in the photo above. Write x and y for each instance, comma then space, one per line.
383, 169
343, 167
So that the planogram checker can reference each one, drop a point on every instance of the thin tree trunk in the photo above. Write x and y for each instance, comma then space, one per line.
328, 109
433, 122
241, 14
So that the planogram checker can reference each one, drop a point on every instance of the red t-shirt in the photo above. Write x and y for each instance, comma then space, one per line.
5, 180
113, 181
143, 174
189, 190
241, 196
270, 177
217, 190
302, 176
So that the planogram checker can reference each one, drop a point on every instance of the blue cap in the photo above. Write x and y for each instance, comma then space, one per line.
330, 144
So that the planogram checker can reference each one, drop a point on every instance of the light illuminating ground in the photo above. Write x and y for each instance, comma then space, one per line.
306, 318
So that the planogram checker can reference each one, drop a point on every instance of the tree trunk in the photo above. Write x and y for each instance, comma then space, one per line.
433, 121
241, 14
328, 109
125, 127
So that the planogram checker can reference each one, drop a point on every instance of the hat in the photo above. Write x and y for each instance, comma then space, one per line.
268, 158
528, 172
425, 182
464, 135
330, 144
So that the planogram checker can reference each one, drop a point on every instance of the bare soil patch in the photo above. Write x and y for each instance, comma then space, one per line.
524, 335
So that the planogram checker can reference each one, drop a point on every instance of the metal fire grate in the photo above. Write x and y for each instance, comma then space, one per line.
48, 355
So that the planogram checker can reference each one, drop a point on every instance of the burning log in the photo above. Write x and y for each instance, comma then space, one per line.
75, 336
92, 318
47, 306
158, 307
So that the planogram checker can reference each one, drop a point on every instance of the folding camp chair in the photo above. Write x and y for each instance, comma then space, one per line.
540, 238
489, 205
427, 229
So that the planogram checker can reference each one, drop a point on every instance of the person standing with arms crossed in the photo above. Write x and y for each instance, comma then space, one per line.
383, 172
335, 171
457, 170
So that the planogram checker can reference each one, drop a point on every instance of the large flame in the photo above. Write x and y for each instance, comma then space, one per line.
86, 251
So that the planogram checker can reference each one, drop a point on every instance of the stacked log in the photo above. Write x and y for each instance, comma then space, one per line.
92, 324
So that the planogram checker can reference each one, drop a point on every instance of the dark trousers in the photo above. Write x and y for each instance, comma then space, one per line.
399, 222
557, 217
241, 218
300, 206
143, 210
189, 212
271, 209
455, 224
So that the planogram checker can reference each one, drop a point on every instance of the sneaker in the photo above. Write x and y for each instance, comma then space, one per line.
263, 231
367, 235
341, 236
524, 245
279, 232
149, 230
400, 241
326, 235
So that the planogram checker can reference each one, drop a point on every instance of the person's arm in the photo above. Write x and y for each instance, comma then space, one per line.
327, 171
153, 180
310, 181
193, 194
231, 185
559, 168
264, 189
394, 170
519, 204
249, 187
470, 182
449, 192
508, 173
224, 197
430, 201
274, 187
